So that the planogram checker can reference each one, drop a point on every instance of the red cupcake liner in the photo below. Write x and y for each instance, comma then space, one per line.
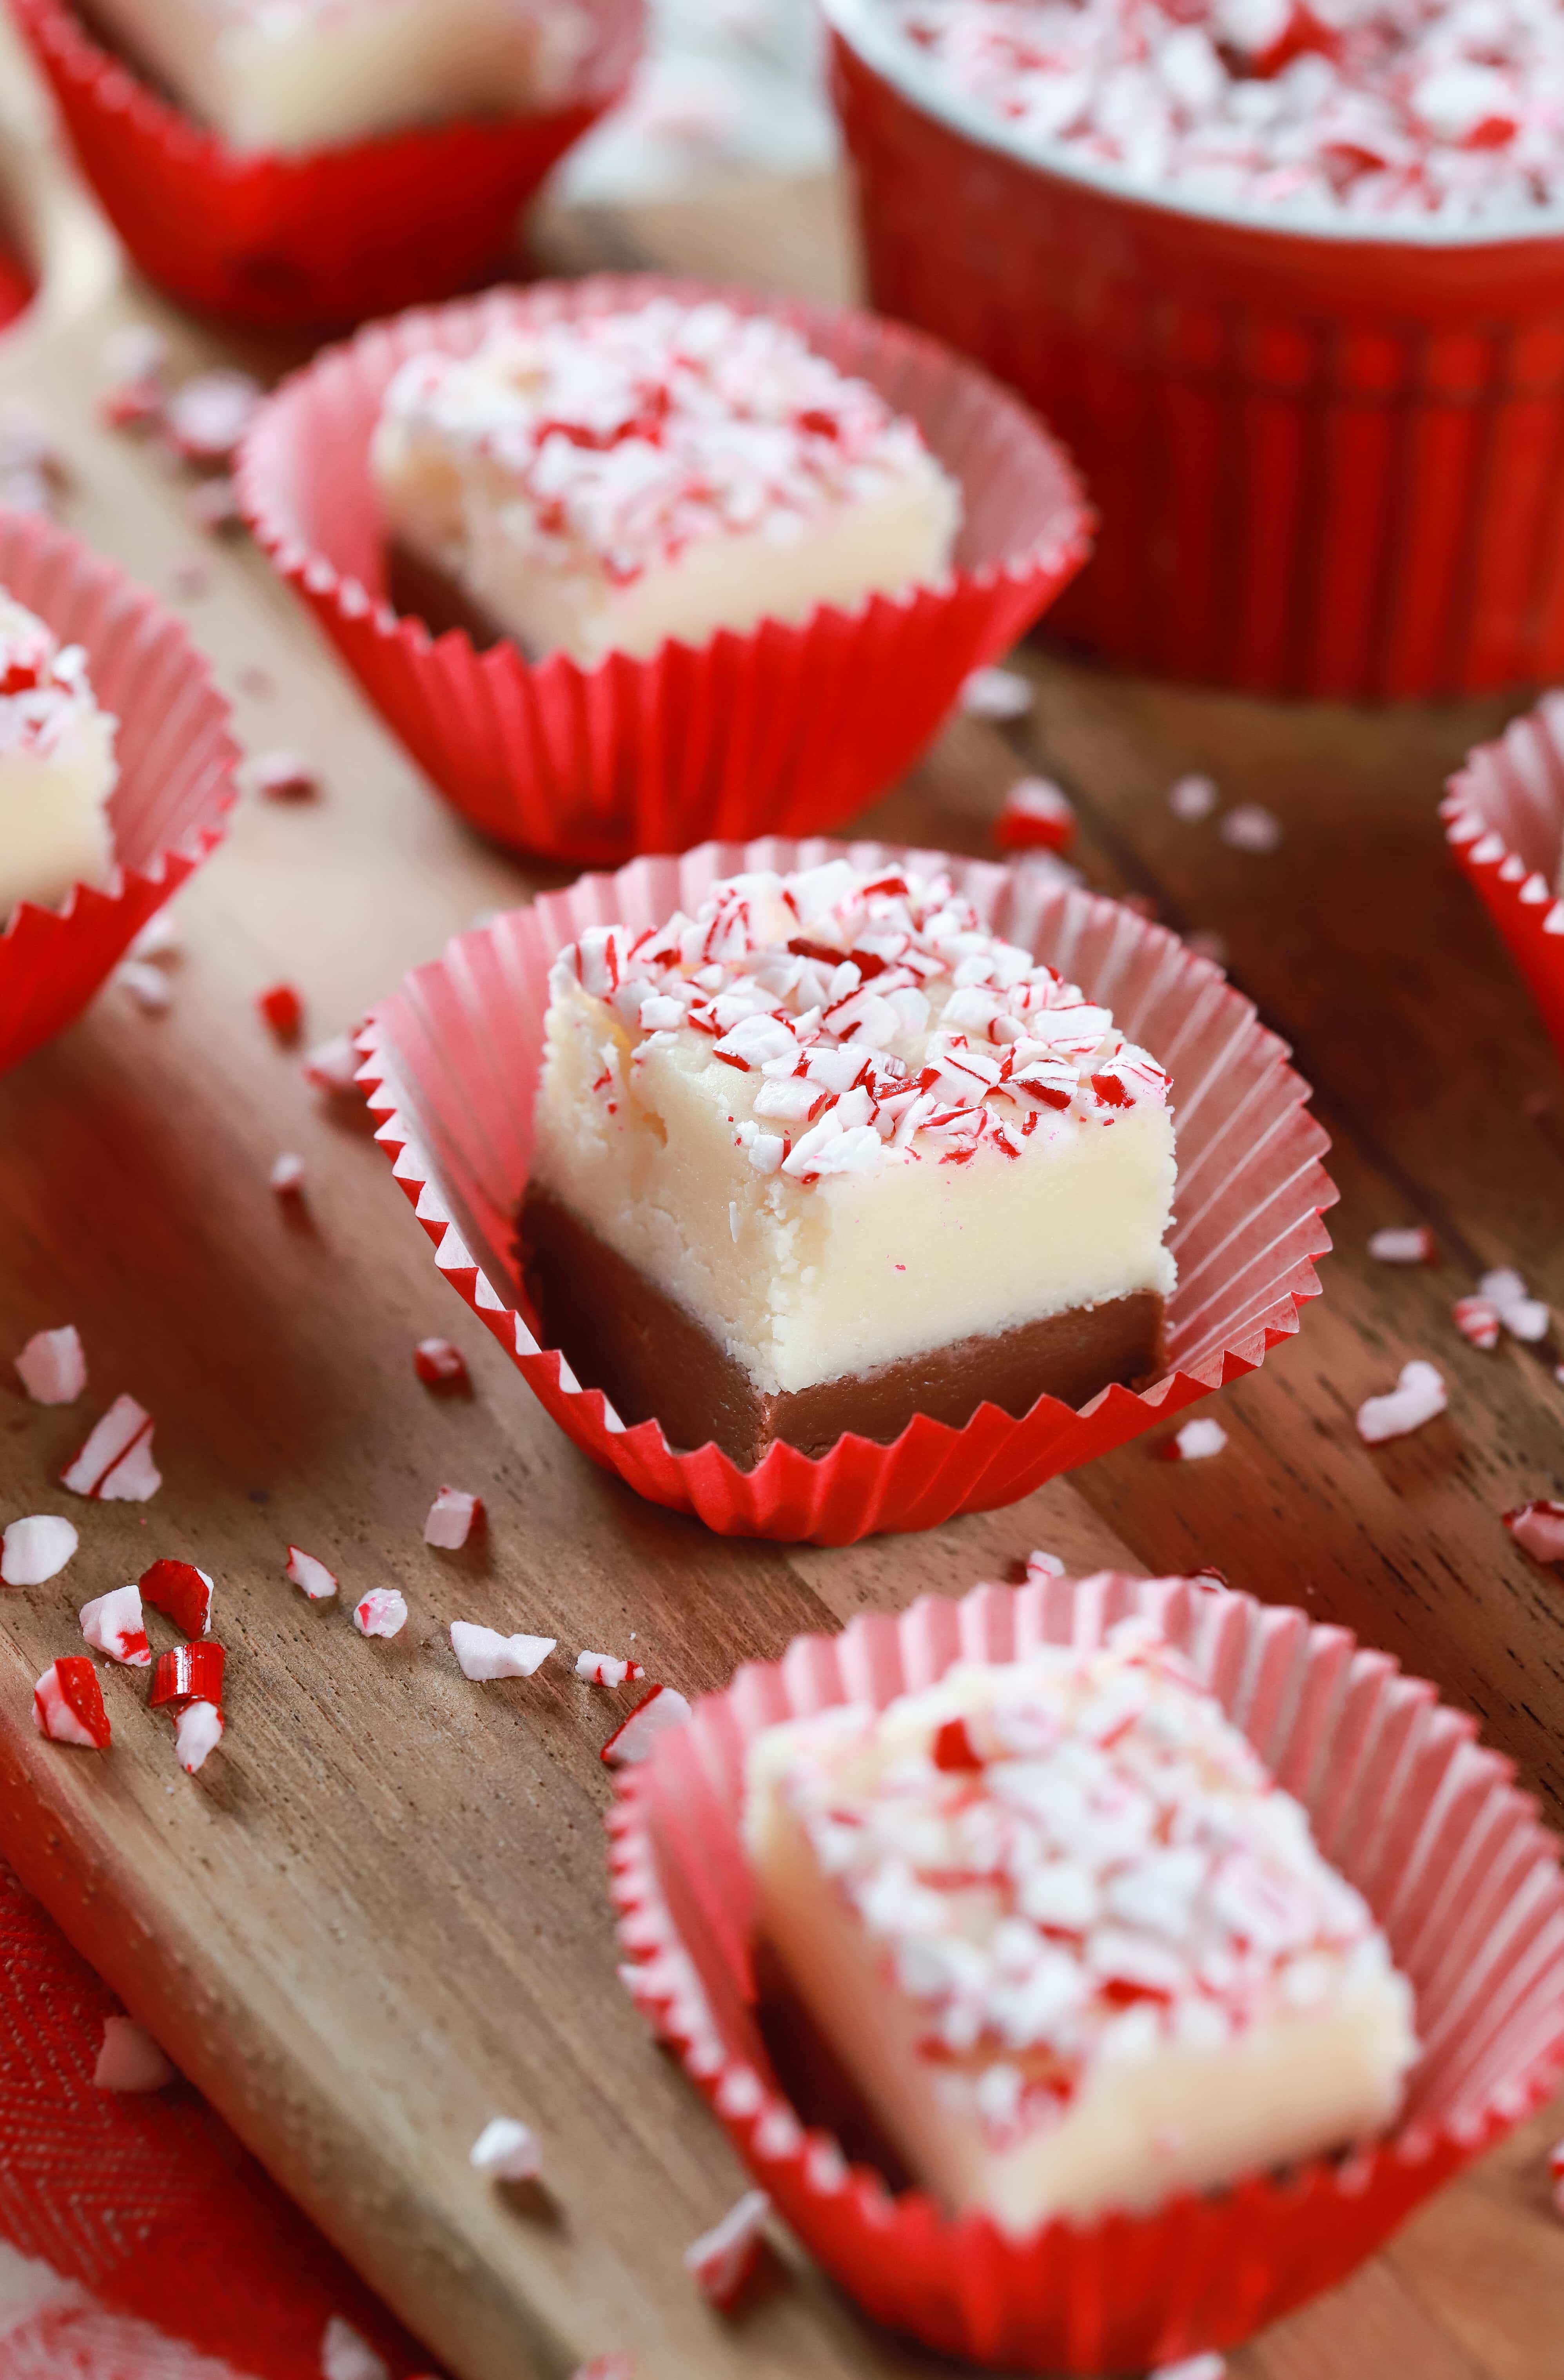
324, 238
1504, 820
177, 762
452, 1063
782, 729
1328, 463
1425, 1822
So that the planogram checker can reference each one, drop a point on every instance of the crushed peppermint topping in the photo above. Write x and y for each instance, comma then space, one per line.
881, 1020
287, 1177
452, 1519
1412, 1243
1307, 108
36, 1549
345, 2354
115, 1624
310, 1574
281, 1008
331, 1065
631, 437
438, 1365
68, 1704
1538, 1529
507, 2151
198, 1731
720, 2261
116, 1465
1193, 797
1418, 1396
1524, 1317
45, 696
382, 1612
655, 1714
1476, 1318
1035, 815
52, 1367
182, 1593
1196, 1442
484, 1654
1073, 1858
604, 1670
997, 694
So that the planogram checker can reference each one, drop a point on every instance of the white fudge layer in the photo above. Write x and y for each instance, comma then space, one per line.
832, 1162
602, 485
312, 74
1076, 1950
56, 766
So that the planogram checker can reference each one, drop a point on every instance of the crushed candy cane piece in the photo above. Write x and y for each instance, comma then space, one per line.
135, 353
131, 405
603, 1669
620, 2365
1476, 1318
52, 1368
287, 1177
382, 1612
1524, 1317
1538, 1529
723, 2259
198, 1731
158, 938
116, 1463
1208, 1575
1043, 1565
1412, 1243
207, 418
1194, 2367
1192, 797
148, 985
660, 1711
311, 1575
1196, 1442
507, 2151
212, 508
1418, 1396
453, 1518
345, 2354
281, 1008
285, 776
1250, 828
1556, 2171
484, 1654
190, 1673
331, 1065
36, 1549
181, 1592
996, 694
115, 1625
130, 2059
68, 1704
1037, 815
440, 1365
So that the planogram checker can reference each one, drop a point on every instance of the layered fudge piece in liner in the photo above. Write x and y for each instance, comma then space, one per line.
57, 766
601, 485
1066, 1939
294, 75
829, 1154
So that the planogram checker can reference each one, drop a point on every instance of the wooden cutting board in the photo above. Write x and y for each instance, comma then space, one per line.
378, 1916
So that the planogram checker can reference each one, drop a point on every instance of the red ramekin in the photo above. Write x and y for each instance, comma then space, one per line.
452, 1068
1329, 462
1401, 1798
177, 762
779, 729
329, 236
1504, 820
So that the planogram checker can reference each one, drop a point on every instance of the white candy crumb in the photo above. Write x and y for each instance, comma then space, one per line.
1477, 1319
723, 2259
287, 1177
996, 694
117, 1625
310, 1575
347, 2355
453, 1517
663, 1710
53, 1366
208, 417
331, 1065
158, 938
1524, 1317
148, 985
134, 354
507, 2151
438, 1363
1250, 828
1036, 813
116, 1463
1538, 1529
1192, 797
1196, 1442
130, 2059
285, 777
603, 1669
196, 1731
1413, 1245
1042, 1565
1417, 1397
1194, 2367
382, 1612
36, 1549
483, 1653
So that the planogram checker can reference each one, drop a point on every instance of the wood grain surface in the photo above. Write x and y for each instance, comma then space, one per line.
378, 1917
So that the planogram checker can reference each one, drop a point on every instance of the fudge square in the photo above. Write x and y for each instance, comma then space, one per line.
1066, 1941
829, 1154
57, 766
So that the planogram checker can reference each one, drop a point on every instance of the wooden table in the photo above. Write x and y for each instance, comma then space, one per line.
379, 1916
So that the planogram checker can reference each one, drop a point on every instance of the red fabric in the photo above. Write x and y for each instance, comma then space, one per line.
147, 2200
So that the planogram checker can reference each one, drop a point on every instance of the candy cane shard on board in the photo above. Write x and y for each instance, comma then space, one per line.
116, 1463
658, 1715
52, 1368
68, 1704
36, 1549
115, 1624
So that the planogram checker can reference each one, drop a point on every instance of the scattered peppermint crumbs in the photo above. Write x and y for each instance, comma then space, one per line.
603, 1669
331, 1065
52, 1367
116, 1464
310, 1575
285, 777
345, 2354
1538, 1529
281, 1008
1196, 1442
1476, 1318
1042, 1565
1556, 2170
1250, 828
382, 1612
115, 1624
1192, 797
1037, 815
1418, 1395
208, 417
723, 2259
507, 2151
148, 985
482, 1654
996, 694
158, 938
130, 2059
36, 1549
453, 1517
439, 1364
182, 1593
287, 1177
1524, 1317
662, 1711
1412, 1245
68, 1704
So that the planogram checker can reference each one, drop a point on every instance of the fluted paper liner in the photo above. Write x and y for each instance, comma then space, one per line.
452, 1063
176, 788
328, 236
1504, 819
781, 729
1402, 1799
